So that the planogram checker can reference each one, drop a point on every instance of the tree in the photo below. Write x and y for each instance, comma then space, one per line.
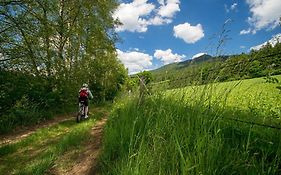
147, 76
57, 38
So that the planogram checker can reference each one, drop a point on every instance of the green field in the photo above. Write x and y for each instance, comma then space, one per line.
223, 128
255, 96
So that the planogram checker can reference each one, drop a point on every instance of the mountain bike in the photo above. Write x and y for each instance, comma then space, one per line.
81, 112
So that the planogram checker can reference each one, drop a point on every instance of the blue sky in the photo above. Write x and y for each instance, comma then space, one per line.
159, 32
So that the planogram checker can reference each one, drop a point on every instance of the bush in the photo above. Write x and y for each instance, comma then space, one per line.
26, 99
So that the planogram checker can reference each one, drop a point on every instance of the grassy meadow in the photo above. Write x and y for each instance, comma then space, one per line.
253, 96
193, 130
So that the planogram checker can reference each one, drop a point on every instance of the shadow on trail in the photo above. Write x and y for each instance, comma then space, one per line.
42, 137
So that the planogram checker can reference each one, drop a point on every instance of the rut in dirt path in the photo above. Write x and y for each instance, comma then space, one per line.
22, 133
86, 163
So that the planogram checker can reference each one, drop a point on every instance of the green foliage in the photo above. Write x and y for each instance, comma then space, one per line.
146, 75
48, 49
26, 99
107, 76
132, 83
270, 79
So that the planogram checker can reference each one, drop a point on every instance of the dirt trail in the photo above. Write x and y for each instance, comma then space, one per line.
86, 163
21, 133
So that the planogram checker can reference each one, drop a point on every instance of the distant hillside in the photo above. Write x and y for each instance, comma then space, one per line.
199, 59
179, 65
205, 68
166, 71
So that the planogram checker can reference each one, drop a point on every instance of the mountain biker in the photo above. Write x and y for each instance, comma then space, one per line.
84, 94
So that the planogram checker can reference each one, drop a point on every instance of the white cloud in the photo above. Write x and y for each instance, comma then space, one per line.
169, 8
157, 20
233, 6
135, 61
167, 56
162, 2
198, 55
190, 34
244, 32
226, 8
139, 14
131, 15
273, 41
265, 14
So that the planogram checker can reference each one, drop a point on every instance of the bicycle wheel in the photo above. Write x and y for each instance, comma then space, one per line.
80, 113
78, 118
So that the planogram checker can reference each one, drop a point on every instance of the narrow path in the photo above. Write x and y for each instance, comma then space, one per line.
22, 133
87, 161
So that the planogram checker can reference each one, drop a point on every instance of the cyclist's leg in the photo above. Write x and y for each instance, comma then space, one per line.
79, 104
82, 104
80, 110
86, 108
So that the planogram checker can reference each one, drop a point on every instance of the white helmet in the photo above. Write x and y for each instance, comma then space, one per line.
85, 85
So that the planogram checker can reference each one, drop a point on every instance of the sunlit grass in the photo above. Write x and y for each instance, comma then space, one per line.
186, 131
254, 96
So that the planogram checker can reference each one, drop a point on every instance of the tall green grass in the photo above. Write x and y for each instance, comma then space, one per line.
179, 132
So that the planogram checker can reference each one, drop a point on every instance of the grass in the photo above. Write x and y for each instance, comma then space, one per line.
185, 131
37, 153
254, 96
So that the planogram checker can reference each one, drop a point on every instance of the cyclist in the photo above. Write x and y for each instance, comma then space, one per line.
84, 94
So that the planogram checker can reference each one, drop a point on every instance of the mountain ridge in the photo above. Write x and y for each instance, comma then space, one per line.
185, 63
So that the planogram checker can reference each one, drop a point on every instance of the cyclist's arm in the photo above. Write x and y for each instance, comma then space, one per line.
78, 95
90, 94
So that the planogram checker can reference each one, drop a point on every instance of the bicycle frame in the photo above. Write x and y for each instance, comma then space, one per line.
81, 112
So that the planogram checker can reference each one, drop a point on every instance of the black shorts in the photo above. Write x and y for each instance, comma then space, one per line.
85, 101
